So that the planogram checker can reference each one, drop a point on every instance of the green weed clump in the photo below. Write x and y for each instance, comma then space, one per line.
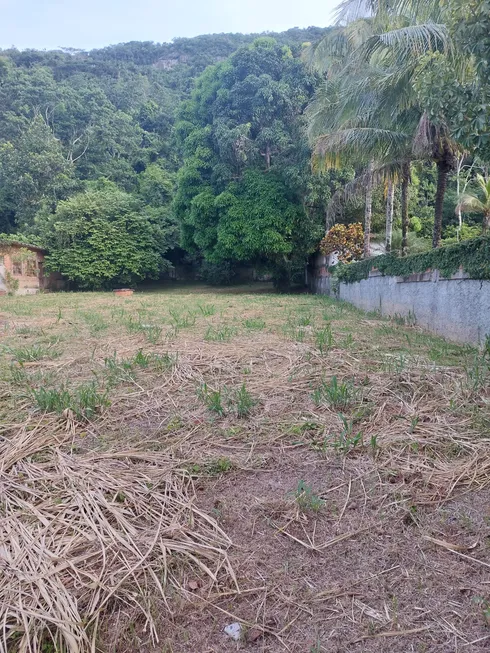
182, 321
219, 334
333, 393
120, 370
241, 401
207, 309
254, 324
212, 399
223, 400
306, 498
324, 339
31, 353
85, 401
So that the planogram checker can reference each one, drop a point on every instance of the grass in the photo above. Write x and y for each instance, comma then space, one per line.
156, 414
220, 334
86, 401
31, 353
335, 394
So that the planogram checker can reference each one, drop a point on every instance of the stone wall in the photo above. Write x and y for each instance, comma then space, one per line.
457, 308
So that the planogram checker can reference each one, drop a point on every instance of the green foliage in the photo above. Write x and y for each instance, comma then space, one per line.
347, 439
219, 334
212, 399
86, 401
31, 353
241, 401
333, 393
324, 339
238, 401
461, 97
472, 255
245, 181
306, 498
101, 238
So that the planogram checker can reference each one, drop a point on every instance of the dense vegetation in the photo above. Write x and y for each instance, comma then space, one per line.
405, 84
206, 144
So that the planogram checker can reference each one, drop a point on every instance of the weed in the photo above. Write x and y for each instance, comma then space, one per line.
241, 401
484, 606
373, 443
324, 339
402, 320
395, 364
306, 498
477, 370
120, 370
141, 359
347, 440
255, 324
305, 319
348, 341
335, 394
294, 333
153, 333
413, 423
28, 331
207, 309
182, 321
85, 401
212, 467
316, 647
31, 353
212, 399
219, 334
162, 362
95, 322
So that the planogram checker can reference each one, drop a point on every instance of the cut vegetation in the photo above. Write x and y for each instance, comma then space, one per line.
172, 463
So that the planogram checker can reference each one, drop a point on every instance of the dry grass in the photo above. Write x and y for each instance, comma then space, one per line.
141, 513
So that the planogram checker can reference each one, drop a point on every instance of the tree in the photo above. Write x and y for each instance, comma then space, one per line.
33, 174
244, 191
392, 49
470, 203
103, 237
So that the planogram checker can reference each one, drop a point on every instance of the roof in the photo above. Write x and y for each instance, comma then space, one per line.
16, 243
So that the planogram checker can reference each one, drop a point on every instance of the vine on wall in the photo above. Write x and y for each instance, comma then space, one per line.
471, 255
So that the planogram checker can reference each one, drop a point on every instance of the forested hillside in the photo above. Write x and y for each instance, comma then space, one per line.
240, 148
67, 117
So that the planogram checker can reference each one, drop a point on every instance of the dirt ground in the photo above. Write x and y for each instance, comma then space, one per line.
344, 458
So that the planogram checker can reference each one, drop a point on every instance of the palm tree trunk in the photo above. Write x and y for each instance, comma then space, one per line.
405, 183
389, 214
442, 173
368, 212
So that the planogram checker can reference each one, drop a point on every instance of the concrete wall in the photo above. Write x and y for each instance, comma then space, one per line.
457, 308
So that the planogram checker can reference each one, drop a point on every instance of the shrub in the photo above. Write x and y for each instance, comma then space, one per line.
102, 237
346, 240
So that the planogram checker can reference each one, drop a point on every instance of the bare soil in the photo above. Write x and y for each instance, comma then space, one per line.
358, 510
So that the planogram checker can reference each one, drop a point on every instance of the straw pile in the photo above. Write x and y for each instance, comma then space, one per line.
80, 535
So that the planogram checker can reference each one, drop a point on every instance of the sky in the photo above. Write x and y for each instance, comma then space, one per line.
87, 24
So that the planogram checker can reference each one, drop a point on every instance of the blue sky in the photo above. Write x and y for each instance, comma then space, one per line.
95, 23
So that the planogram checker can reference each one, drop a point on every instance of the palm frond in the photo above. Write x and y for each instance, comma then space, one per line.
358, 144
329, 53
485, 186
408, 43
471, 204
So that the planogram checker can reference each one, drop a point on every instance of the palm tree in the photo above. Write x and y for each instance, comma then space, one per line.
402, 31
470, 203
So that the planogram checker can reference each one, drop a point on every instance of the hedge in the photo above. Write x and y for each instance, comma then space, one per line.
472, 255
